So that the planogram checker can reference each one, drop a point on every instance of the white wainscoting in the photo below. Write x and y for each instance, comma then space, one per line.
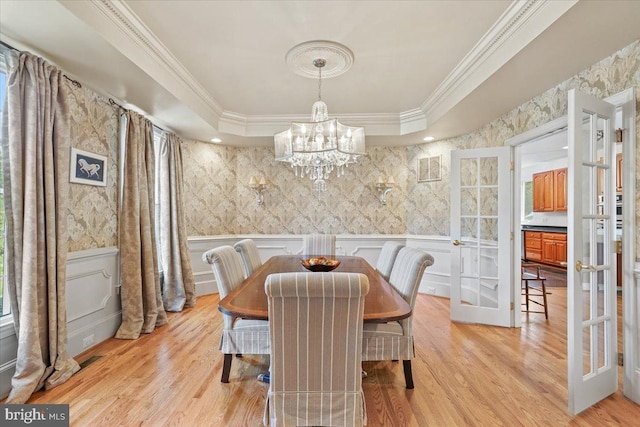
93, 308
435, 280
94, 311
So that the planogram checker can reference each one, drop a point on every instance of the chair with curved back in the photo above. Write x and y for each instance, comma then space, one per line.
249, 254
394, 340
239, 336
387, 258
319, 244
315, 322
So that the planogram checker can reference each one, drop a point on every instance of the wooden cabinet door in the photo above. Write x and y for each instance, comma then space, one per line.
619, 173
560, 190
543, 191
561, 252
548, 251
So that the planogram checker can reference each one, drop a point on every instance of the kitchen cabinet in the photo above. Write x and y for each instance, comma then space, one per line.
543, 192
560, 190
554, 248
533, 245
550, 191
546, 247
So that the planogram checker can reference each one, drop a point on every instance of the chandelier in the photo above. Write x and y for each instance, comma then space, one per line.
317, 148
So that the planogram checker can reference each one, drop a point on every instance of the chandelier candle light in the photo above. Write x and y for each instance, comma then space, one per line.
319, 147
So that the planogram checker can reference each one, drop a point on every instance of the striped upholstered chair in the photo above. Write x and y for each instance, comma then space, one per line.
387, 258
239, 336
315, 322
394, 340
319, 244
250, 256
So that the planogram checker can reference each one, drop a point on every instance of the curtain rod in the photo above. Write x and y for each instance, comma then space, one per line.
113, 103
72, 81
8, 46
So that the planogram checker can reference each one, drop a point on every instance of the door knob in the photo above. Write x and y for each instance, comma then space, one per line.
457, 243
580, 266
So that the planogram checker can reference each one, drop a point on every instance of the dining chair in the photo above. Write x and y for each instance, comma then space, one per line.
315, 323
249, 254
319, 244
239, 336
387, 258
394, 340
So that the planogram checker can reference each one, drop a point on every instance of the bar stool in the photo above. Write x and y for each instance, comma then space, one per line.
534, 288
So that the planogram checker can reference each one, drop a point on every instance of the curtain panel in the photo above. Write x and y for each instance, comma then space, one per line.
35, 150
178, 285
142, 307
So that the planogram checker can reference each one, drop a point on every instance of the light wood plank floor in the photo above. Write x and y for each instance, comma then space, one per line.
465, 375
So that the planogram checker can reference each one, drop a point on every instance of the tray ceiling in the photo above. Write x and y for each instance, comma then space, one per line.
217, 68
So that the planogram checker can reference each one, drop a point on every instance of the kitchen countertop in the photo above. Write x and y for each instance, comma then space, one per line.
547, 228
553, 229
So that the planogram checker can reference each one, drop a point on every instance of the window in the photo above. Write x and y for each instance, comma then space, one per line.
527, 200
4, 296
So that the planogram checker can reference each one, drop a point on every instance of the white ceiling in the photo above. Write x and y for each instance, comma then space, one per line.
217, 68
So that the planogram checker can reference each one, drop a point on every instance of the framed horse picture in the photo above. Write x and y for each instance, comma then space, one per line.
87, 168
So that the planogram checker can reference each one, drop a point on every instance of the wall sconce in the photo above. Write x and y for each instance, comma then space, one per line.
258, 187
384, 187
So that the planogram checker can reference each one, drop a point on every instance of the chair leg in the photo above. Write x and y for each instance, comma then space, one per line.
408, 377
526, 292
226, 368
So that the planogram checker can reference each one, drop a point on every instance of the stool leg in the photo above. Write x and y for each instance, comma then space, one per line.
526, 293
544, 300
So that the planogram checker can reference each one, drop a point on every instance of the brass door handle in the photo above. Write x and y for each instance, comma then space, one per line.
580, 266
457, 243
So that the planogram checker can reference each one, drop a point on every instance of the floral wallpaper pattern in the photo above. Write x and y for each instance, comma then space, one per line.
210, 188
428, 203
221, 202
93, 211
225, 204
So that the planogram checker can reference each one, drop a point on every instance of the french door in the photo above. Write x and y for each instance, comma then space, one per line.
481, 256
591, 258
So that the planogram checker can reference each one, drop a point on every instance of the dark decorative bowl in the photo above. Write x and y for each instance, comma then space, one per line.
324, 266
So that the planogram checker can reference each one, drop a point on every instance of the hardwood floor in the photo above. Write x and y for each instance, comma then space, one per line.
465, 375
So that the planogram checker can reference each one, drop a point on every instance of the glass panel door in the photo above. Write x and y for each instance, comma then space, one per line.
480, 232
591, 272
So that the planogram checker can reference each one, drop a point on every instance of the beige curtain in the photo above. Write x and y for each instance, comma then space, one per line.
142, 308
178, 287
35, 144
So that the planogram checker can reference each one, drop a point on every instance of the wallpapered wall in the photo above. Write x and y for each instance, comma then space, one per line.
93, 211
220, 201
608, 77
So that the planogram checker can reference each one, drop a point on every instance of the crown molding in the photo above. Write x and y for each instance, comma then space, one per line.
515, 29
522, 22
375, 124
122, 28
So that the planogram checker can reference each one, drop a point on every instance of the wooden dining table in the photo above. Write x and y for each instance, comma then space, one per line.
249, 301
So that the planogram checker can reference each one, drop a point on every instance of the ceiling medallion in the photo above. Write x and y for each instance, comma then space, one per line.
318, 147
338, 57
